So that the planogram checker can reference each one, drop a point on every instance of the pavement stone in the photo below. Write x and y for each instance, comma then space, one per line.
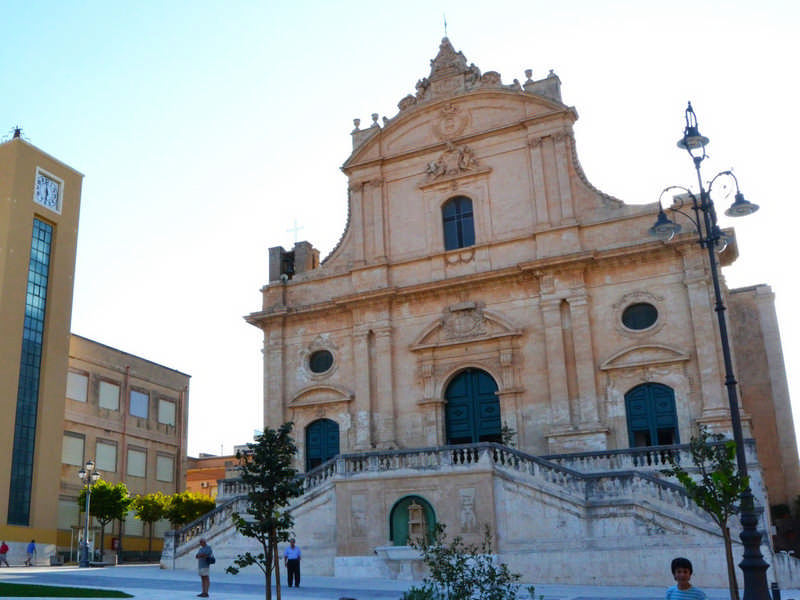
149, 582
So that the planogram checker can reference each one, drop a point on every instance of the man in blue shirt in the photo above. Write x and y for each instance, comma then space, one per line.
291, 558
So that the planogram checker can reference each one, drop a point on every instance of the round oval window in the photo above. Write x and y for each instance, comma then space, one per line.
320, 361
639, 316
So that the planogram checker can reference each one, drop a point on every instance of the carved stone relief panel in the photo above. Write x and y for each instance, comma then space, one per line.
466, 510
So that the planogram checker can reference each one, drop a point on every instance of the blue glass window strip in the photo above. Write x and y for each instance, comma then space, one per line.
19, 495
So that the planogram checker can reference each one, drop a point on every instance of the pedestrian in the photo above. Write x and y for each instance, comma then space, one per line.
291, 558
3, 554
205, 558
31, 550
683, 589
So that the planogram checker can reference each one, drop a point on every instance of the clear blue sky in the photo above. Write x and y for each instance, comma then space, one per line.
205, 129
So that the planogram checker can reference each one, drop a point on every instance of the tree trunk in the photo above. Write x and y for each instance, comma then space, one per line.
150, 540
733, 585
102, 539
277, 562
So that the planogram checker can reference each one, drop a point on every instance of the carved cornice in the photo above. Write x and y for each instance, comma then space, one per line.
644, 355
315, 395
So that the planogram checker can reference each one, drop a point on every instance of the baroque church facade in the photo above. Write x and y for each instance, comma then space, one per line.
495, 341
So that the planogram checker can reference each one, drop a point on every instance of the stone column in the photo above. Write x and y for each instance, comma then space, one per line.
562, 150
357, 216
275, 410
542, 219
556, 369
384, 417
706, 340
584, 361
361, 406
376, 199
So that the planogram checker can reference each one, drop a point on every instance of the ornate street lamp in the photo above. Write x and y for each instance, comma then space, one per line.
88, 476
713, 239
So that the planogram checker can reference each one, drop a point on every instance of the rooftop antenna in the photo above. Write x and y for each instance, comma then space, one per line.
444, 16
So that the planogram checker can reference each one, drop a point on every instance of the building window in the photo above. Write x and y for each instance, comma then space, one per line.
165, 468
139, 402
19, 493
77, 386
320, 361
133, 526
137, 462
652, 420
459, 228
411, 517
639, 316
108, 395
106, 456
72, 449
166, 412
68, 515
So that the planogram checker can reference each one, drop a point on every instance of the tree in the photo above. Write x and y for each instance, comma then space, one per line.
107, 502
460, 571
267, 471
184, 507
149, 509
716, 488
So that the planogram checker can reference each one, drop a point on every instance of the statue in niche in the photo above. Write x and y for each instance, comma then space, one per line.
417, 524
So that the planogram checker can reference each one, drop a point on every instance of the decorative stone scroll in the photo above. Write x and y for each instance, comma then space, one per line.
453, 161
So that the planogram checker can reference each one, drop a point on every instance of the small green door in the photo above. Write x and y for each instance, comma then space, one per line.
652, 420
322, 442
472, 412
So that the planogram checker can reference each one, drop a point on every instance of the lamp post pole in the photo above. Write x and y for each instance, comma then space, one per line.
88, 476
711, 238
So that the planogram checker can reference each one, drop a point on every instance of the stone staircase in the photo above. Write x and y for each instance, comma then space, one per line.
621, 489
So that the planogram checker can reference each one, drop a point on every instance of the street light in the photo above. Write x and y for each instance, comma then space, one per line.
713, 239
88, 476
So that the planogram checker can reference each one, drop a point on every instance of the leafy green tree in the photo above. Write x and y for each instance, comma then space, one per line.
184, 507
716, 487
150, 509
107, 503
460, 571
271, 480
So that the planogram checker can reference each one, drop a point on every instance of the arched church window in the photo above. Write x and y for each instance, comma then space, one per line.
472, 409
411, 518
459, 227
652, 420
322, 442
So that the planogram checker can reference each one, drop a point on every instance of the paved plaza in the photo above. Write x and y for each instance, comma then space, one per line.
152, 583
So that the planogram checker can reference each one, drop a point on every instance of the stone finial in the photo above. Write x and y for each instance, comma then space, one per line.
529, 74
357, 123
374, 120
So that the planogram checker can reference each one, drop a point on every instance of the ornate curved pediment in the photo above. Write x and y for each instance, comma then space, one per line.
643, 356
314, 395
465, 322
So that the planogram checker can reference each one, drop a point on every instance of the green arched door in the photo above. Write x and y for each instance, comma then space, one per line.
652, 420
322, 442
472, 412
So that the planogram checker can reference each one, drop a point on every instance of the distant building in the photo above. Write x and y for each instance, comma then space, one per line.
130, 415
204, 472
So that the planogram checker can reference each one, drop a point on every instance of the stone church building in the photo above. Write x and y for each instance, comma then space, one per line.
495, 341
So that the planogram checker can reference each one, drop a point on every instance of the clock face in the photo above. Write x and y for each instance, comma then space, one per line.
46, 192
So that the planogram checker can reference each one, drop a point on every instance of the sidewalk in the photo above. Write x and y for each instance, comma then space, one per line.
151, 583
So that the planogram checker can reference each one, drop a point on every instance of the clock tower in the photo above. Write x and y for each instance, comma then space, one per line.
39, 207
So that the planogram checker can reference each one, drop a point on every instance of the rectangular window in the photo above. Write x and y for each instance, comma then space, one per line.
133, 526
106, 456
160, 528
165, 468
77, 386
166, 412
139, 402
108, 395
68, 513
137, 462
72, 449
27, 406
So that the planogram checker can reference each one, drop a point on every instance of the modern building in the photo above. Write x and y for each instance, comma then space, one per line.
130, 416
495, 341
39, 207
203, 473
67, 399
